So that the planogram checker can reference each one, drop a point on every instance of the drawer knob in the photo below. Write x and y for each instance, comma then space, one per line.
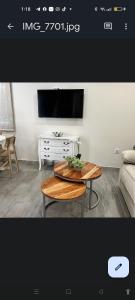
46, 142
66, 143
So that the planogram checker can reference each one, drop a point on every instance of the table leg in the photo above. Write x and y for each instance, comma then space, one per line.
90, 194
39, 164
44, 210
82, 207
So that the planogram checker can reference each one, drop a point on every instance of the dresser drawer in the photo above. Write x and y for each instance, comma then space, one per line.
47, 149
56, 143
52, 156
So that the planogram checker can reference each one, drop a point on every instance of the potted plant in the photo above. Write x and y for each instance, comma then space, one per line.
75, 162
69, 160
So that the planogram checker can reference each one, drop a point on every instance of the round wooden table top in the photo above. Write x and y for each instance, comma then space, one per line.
59, 189
88, 172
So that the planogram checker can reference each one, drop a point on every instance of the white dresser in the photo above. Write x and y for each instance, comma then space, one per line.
56, 148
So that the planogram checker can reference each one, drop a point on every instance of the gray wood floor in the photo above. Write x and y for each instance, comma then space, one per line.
20, 196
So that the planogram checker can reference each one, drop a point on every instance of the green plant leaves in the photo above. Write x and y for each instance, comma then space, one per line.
75, 162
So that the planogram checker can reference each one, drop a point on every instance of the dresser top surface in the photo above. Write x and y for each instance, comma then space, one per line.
63, 137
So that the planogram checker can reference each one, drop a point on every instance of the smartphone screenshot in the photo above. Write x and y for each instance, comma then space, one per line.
67, 149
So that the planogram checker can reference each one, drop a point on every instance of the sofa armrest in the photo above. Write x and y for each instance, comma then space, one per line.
128, 156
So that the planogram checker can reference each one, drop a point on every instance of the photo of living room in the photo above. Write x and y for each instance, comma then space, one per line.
67, 150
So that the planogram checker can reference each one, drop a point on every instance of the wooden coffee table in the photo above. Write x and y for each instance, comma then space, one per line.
61, 190
89, 173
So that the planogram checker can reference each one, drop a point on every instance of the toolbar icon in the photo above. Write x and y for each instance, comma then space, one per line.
108, 25
96, 8
118, 267
64, 8
109, 9
44, 8
102, 8
10, 26
57, 9
51, 9
36, 291
101, 292
68, 292
119, 8
128, 292
126, 26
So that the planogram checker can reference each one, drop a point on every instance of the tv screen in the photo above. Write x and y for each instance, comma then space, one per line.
60, 103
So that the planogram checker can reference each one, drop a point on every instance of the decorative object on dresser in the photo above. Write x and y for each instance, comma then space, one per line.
56, 148
57, 133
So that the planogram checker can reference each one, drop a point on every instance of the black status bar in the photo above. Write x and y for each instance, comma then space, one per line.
67, 19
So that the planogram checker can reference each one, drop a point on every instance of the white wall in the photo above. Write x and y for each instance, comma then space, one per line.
108, 123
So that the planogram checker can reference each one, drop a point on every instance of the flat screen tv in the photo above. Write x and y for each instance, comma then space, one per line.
60, 103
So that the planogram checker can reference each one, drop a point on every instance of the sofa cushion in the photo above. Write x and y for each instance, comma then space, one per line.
128, 156
127, 176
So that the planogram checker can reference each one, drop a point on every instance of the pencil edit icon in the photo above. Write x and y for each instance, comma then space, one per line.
118, 267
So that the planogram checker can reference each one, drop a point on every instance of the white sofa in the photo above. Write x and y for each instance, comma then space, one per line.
127, 179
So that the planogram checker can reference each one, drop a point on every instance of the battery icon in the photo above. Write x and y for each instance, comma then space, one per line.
119, 8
